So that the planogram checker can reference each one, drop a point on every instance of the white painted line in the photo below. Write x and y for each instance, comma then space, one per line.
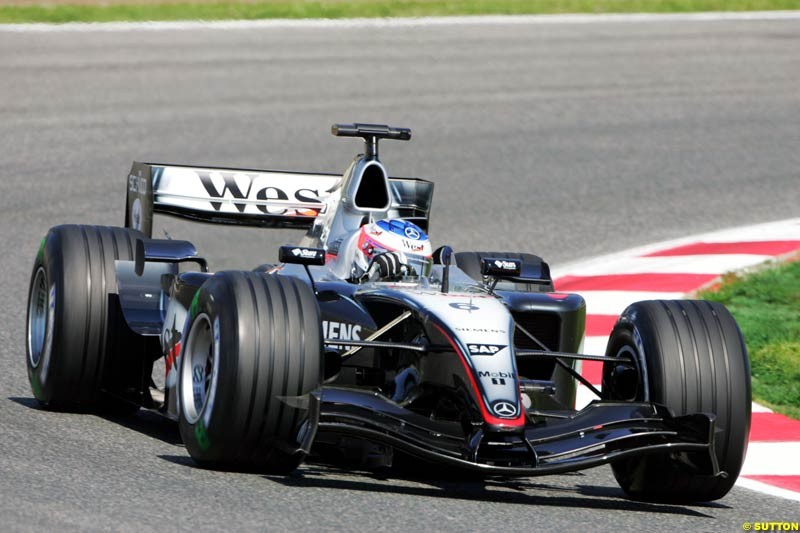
403, 22
583, 397
772, 490
782, 230
595, 345
758, 408
685, 264
615, 302
777, 231
772, 459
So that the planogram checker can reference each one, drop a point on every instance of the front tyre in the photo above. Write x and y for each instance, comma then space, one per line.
689, 356
251, 359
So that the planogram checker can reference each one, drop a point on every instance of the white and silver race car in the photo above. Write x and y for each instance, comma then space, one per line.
352, 348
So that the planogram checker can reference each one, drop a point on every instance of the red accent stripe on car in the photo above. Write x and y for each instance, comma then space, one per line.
487, 416
773, 427
635, 282
784, 482
745, 247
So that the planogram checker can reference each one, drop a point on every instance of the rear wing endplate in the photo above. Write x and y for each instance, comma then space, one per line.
262, 198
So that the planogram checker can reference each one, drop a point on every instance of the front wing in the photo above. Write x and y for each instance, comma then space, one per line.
600, 433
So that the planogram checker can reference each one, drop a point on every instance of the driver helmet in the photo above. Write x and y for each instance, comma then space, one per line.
394, 235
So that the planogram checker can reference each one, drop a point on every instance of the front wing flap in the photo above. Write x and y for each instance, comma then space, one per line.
600, 433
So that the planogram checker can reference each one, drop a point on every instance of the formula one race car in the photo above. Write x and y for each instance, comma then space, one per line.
365, 342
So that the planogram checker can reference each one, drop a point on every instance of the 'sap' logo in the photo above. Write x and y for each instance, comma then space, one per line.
484, 349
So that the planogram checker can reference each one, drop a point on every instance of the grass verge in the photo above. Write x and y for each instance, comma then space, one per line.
766, 305
265, 9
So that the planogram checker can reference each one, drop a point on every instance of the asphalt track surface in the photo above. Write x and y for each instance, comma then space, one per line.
567, 140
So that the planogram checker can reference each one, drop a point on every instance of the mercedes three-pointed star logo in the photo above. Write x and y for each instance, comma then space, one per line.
412, 233
504, 408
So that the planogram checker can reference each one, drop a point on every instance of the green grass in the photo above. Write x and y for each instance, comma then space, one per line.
364, 8
766, 305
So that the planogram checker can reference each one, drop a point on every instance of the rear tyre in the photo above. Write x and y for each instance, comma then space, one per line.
74, 323
251, 359
694, 360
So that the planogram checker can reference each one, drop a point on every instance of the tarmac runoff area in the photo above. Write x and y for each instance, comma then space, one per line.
677, 269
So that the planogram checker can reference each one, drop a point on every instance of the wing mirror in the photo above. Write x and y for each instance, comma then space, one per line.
299, 255
444, 256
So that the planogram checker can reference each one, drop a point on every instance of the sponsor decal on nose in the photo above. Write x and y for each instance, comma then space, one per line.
485, 349
412, 233
463, 306
504, 409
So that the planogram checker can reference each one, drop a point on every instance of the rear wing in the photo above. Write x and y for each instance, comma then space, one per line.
262, 198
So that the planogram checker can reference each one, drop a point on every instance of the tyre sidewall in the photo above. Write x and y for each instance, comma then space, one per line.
49, 259
207, 439
626, 339
54, 380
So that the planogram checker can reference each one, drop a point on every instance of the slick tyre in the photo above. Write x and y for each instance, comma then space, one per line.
694, 360
74, 324
251, 359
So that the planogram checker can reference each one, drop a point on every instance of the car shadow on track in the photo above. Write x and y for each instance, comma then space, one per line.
30, 403
522, 491
144, 422
150, 424
437, 484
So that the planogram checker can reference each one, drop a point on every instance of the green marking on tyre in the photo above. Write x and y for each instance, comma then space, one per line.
195, 304
201, 435
41, 249
35, 385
